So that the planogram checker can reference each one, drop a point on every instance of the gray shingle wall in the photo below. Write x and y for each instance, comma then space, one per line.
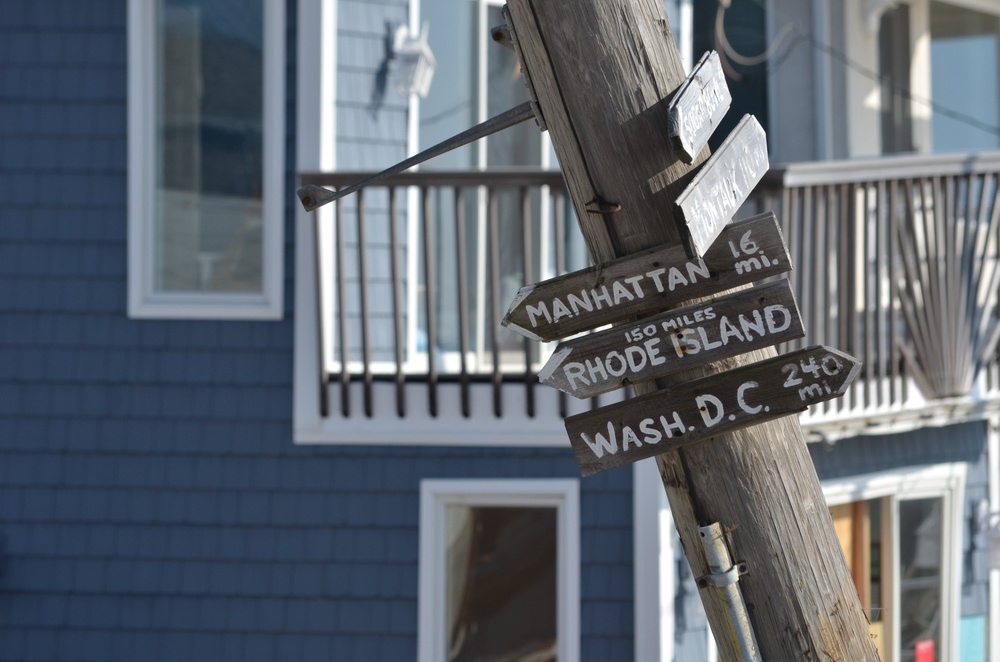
152, 503
371, 115
371, 136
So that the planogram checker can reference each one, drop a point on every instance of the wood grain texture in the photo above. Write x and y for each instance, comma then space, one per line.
669, 342
648, 281
625, 432
698, 107
600, 73
723, 184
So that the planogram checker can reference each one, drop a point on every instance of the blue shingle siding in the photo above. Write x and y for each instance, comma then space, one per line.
153, 505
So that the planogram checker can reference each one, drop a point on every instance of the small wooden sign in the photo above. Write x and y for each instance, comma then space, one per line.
746, 251
677, 339
651, 424
724, 183
698, 107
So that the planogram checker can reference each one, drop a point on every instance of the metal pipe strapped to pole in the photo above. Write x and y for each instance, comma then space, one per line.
723, 579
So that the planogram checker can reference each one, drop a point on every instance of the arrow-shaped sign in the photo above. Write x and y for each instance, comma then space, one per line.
724, 183
645, 282
677, 339
698, 107
651, 424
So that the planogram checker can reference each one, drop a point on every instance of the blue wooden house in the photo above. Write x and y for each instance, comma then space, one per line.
232, 430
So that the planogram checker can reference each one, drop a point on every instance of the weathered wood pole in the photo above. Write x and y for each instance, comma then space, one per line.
601, 71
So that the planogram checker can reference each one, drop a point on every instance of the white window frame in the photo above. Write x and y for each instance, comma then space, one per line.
654, 532
864, 134
437, 495
143, 300
944, 481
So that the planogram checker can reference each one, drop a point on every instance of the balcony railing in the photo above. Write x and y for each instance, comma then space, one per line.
895, 262
415, 275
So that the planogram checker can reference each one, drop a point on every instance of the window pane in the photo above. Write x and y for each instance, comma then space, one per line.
965, 45
209, 119
919, 577
501, 583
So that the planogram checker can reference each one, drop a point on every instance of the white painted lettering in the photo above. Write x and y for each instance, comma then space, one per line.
684, 343
653, 352
536, 312
696, 269
728, 330
559, 310
747, 265
741, 399
809, 392
597, 368
670, 428
621, 292
628, 436
676, 278
634, 282
655, 275
600, 444
711, 419
636, 357
748, 326
622, 363
577, 302
574, 371
771, 311
652, 435
604, 296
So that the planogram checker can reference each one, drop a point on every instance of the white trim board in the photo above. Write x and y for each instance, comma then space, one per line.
437, 495
653, 526
143, 302
946, 481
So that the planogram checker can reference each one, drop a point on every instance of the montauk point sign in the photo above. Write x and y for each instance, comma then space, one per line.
677, 339
658, 422
723, 184
746, 251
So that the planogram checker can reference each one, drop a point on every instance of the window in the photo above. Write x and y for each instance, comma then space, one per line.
476, 79
965, 52
206, 159
919, 75
901, 533
499, 570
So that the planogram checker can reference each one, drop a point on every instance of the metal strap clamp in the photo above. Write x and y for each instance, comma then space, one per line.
721, 579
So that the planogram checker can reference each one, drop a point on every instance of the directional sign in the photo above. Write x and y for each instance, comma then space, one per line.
648, 281
723, 183
698, 107
681, 338
662, 421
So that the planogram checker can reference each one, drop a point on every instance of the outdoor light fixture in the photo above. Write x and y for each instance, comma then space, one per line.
415, 63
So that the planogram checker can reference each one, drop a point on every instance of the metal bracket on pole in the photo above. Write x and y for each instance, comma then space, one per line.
313, 197
731, 576
723, 578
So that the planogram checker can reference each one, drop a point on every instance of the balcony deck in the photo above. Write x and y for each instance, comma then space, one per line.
895, 262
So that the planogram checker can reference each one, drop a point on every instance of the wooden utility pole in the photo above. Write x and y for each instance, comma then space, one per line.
602, 72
